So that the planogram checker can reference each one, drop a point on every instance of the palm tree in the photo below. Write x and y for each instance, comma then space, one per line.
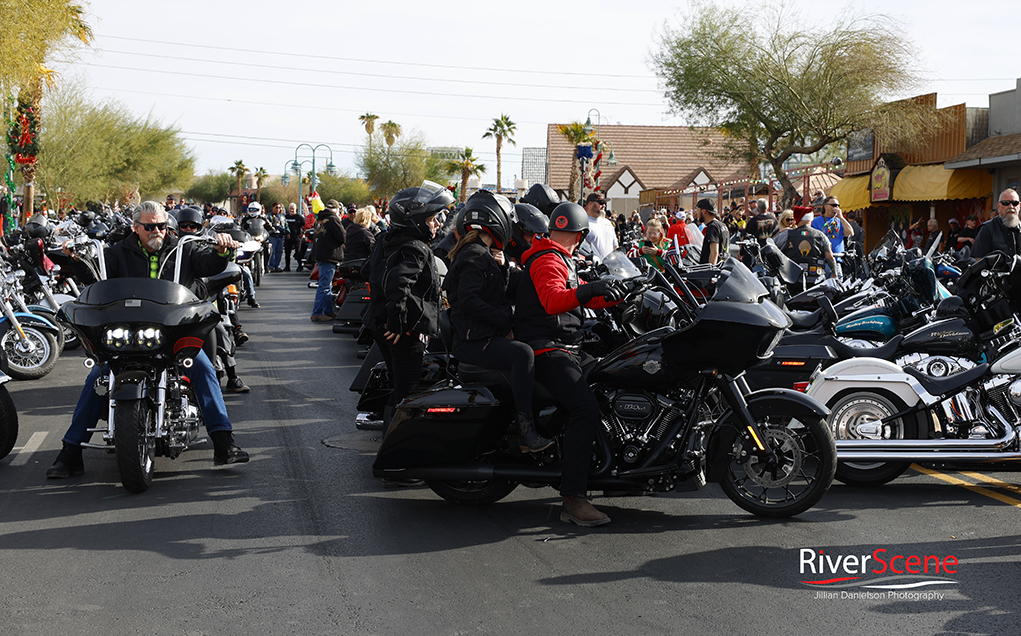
391, 131
369, 121
468, 166
576, 135
238, 170
260, 176
501, 129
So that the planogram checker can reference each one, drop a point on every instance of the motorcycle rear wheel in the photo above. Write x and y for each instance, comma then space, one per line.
134, 428
8, 423
860, 407
472, 493
34, 364
806, 461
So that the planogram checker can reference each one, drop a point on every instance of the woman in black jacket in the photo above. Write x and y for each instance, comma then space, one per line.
359, 239
404, 288
480, 314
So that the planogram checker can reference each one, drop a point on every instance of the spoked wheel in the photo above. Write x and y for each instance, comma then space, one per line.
31, 358
472, 493
858, 416
800, 473
134, 434
8, 423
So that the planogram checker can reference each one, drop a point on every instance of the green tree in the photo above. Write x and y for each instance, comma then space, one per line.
576, 134
238, 170
344, 188
387, 169
466, 165
778, 87
369, 121
212, 188
501, 130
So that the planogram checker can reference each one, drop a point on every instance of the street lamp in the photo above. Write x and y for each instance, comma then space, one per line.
285, 179
331, 169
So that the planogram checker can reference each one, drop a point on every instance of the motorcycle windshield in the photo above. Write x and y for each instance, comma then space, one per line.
889, 244
156, 290
738, 284
620, 266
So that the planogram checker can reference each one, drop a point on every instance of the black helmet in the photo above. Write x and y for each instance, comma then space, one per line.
526, 221
38, 226
189, 214
410, 208
490, 213
542, 197
569, 217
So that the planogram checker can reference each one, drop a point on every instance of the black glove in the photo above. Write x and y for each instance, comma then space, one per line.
616, 290
611, 289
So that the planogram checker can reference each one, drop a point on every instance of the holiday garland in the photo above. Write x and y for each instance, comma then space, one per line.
23, 134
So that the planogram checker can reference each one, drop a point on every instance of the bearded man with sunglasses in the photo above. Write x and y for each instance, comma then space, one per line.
145, 254
1002, 233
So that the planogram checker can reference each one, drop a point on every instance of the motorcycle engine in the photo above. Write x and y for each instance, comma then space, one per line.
634, 419
935, 366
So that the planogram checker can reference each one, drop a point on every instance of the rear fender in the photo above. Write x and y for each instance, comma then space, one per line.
867, 374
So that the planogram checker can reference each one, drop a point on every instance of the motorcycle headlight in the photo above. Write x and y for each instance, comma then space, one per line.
117, 338
149, 338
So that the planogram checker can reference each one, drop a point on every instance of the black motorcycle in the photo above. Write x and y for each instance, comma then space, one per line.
147, 332
676, 414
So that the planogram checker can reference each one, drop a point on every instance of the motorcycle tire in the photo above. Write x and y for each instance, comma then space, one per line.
472, 493
8, 423
62, 333
849, 410
808, 460
34, 364
134, 430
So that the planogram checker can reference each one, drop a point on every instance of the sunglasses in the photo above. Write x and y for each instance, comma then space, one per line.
1010, 203
188, 226
833, 205
149, 227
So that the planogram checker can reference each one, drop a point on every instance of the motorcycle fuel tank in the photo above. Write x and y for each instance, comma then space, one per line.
950, 337
1009, 363
871, 323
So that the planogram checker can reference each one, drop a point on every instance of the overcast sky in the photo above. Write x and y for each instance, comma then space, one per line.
252, 80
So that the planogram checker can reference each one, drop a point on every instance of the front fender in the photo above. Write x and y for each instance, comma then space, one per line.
130, 385
33, 320
870, 374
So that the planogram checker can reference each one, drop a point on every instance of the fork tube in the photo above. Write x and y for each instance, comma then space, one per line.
112, 404
161, 402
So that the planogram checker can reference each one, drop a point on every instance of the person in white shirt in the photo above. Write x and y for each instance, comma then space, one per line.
601, 234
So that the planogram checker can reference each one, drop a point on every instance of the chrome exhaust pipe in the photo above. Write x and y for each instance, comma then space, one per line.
921, 445
925, 457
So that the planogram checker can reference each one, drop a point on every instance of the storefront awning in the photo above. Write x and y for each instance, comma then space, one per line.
936, 183
853, 193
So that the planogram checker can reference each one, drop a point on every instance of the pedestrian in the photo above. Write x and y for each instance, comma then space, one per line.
360, 240
295, 236
809, 247
327, 252
835, 227
716, 237
601, 235
967, 236
277, 236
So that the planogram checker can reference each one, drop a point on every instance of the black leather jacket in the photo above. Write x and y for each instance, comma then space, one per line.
476, 287
404, 286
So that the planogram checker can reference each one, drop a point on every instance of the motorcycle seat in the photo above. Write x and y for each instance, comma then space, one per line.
825, 314
886, 351
950, 384
474, 374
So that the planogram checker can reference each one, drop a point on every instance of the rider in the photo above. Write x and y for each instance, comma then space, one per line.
142, 255
480, 312
252, 212
404, 287
548, 317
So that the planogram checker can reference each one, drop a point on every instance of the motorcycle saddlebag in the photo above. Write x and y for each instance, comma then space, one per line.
441, 426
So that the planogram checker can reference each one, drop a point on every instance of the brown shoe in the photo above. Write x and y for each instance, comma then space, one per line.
578, 510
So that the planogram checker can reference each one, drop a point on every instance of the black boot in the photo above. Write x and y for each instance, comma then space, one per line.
528, 437
226, 450
69, 462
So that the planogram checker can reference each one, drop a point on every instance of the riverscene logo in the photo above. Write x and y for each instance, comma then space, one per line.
894, 576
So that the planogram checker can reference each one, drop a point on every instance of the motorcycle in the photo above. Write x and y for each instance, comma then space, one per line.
961, 403
146, 332
8, 418
676, 415
30, 342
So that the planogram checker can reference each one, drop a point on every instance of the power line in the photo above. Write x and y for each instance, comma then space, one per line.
368, 61
474, 82
356, 88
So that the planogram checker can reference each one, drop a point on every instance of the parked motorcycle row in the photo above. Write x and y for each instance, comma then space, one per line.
714, 374
143, 333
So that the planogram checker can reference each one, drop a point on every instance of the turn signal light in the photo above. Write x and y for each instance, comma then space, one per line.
801, 386
441, 409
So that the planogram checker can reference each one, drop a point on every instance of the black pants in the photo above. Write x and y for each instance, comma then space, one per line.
566, 376
503, 354
404, 362
290, 245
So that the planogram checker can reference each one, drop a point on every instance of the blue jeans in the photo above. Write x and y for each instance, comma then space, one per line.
203, 379
276, 246
247, 282
324, 295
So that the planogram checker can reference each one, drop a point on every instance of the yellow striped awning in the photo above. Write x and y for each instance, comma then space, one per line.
853, 193
936, 183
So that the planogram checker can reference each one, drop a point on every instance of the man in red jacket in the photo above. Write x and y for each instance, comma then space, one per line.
548, 318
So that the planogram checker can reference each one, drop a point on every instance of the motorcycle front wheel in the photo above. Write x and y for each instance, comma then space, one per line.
805, 459
134, 429
33, 359
472, 493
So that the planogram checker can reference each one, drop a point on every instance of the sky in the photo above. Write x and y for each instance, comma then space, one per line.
255, 80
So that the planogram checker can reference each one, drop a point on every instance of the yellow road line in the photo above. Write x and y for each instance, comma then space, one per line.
990, 480
981, 490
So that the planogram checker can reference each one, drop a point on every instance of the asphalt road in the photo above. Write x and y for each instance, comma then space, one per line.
302, 540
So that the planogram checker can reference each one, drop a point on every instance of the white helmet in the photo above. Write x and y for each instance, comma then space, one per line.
255, 207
